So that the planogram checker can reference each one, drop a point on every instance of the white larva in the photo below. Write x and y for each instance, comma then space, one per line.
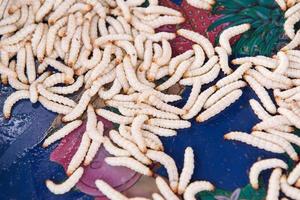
283, 63
7, 72
294, 43
289, 25
203, 69
187, 171
175, 61
223, 56
274, 185
199, 57
44, 10
121, 76
162, 72
292, 10
75, 46
148, 55
148, 111
54, 107
130, 163
205, 78
60, 66
115, 24
265, 82
254, 141
258, 60
289, 190
71, 28
109, 191
157, 50
139, 45
293, 73
78, 157
195, 187
158, 103
111, 38
272, 122
3, 7
93, 60
223, 91
67, 185
94, 28
237, 74
164, 20
220, 105
156, 196
168, 163
21, 64
199, 103
41, 47
81, 7
199, 39
99, 69
136, 132
152, 141
261, 93
262, 165
141, 26
91, 124
125, 9
181, 69
62, 32
125, 24
129, 146
58, 49
56, 79
80, 107
259, 110
152, 9
167, 123
290, 115
114, 150
124, 98
201, 4
288, 136
12, 100
99, 82
24, 14
152, 72
163, 132
102, 28
129, 49
288, 93
157, 37
131, 76
294, 175
60, 11
14, 82
51, 35
33, 89
111, 116
8, 29
193, 95
61, 133
11, 19
86, 39
68, 89
282, 5
164, 189
284, 144
54, 97
112, 91
227, 34
274, 76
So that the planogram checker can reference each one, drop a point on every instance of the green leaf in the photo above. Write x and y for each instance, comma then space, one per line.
222, 20
211, 195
